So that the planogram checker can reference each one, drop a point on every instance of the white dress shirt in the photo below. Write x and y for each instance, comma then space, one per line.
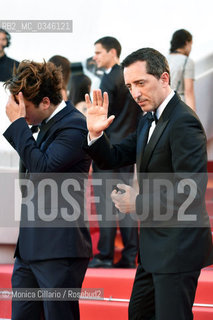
158, 113
61, 106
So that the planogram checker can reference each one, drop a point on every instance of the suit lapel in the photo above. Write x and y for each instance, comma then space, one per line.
152, 143
45, 128
159, 129
43, 131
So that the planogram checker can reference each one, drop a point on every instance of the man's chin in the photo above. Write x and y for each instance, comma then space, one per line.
30, 123
146, 107
143, 106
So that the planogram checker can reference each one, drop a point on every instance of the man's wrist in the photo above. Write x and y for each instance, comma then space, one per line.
93, 136
15, 118
91, 141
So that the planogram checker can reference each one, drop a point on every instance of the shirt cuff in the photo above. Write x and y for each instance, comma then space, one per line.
90, 142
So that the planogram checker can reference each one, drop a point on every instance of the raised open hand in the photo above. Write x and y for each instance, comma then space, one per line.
97, 111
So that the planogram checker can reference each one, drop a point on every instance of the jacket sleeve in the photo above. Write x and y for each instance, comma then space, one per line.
108, 156
63, 152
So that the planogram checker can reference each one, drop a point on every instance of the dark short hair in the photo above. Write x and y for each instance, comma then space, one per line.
179, 39
109, 43
65, 65
36, 81
80, 85
156, 63
8, 36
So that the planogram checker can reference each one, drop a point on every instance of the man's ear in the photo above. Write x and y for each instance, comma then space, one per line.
45, 103
165, 78
113, 52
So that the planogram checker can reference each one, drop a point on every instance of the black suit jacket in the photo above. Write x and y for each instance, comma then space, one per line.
52, 214
176, 150
121, 104
6, 67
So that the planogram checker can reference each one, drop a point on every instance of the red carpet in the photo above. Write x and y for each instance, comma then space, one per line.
117, 284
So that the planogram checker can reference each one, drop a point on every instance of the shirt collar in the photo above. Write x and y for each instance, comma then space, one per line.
163, 105
61, 106
3, 57
107, 71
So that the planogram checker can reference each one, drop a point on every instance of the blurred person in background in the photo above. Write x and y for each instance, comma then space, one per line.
80, 84
127, 113
65, 64
6, 64
182, 67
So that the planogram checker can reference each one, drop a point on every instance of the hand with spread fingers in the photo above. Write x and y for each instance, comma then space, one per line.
97, 111
124, 198
15, 110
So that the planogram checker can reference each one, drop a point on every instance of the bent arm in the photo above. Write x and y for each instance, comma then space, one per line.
108, 156
62, 153
189, 93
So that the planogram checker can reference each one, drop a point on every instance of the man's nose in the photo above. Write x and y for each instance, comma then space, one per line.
135, 93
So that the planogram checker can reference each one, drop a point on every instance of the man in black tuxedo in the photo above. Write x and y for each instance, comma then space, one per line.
172, 250
54, 245
121, 104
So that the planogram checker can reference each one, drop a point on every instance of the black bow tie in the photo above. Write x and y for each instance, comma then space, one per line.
151, 116
34, 129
